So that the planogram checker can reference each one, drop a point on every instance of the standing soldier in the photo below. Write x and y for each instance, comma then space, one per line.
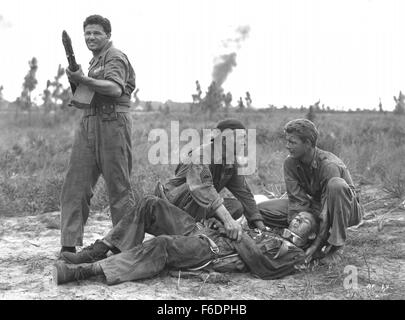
102, 143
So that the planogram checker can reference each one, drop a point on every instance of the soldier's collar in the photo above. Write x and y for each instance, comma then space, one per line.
102, 52
314, 161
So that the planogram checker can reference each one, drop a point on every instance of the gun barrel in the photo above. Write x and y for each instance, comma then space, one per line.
67, 43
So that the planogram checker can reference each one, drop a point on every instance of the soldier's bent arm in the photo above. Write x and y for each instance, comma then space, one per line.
239, 187
104, 87
200, 183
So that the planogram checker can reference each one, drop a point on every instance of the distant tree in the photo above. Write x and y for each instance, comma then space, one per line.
311, 114
58, 95
241, 106
46, 97
400, 104
227, 100
2, 101
248, 100
137, 101
213, 99
148, 106
316, 106
29, 84
380, 108
196, 97
166, 109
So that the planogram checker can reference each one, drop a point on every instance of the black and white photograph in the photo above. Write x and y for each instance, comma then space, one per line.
219, 151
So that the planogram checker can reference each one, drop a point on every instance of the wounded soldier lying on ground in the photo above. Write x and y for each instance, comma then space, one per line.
264, 253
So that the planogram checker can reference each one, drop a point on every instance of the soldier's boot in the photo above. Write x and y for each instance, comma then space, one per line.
95, 252
67, 249
64, 273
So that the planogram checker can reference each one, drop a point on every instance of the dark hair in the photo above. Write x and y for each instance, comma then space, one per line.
97, 19
304, 129
231, 124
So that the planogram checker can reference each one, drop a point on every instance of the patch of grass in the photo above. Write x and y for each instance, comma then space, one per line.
34, 159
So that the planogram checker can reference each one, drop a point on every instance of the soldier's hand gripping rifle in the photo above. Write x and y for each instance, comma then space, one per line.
73, 66
82, 95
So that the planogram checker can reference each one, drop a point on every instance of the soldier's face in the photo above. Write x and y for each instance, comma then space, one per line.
302, 225
233, 145
297, 148
95, 37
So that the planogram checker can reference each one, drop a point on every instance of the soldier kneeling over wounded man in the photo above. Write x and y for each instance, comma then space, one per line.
181, 243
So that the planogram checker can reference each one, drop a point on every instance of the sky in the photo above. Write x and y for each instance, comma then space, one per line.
347, 54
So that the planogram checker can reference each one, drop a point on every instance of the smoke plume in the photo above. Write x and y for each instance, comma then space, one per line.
224, 64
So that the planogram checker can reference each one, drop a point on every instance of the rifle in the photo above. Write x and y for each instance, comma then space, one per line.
82, 95
73, 66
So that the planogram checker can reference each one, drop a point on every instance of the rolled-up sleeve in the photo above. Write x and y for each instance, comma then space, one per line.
239, 187
201, 186
116, 69
298, 199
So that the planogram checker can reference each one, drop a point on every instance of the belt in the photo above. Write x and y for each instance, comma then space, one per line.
105, 109
213, 246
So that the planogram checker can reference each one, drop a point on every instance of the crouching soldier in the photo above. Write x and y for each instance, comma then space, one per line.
265, 254
319, 182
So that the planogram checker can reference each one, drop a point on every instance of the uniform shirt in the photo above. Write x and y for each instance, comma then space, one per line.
111, 64
256, 252
259, 253
195, 187
306, 184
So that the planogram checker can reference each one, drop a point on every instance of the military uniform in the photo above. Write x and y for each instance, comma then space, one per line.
181, 243
102, 145
308, 186
195, 189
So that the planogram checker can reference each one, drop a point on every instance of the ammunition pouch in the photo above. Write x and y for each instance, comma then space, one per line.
108, 112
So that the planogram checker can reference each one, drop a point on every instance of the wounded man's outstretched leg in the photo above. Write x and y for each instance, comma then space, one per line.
143, 261
151, 215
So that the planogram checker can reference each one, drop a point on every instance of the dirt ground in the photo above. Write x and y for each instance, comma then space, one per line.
374, 260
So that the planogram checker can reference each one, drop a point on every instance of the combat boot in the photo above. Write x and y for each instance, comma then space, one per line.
95, 252
64, 273
66, 249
